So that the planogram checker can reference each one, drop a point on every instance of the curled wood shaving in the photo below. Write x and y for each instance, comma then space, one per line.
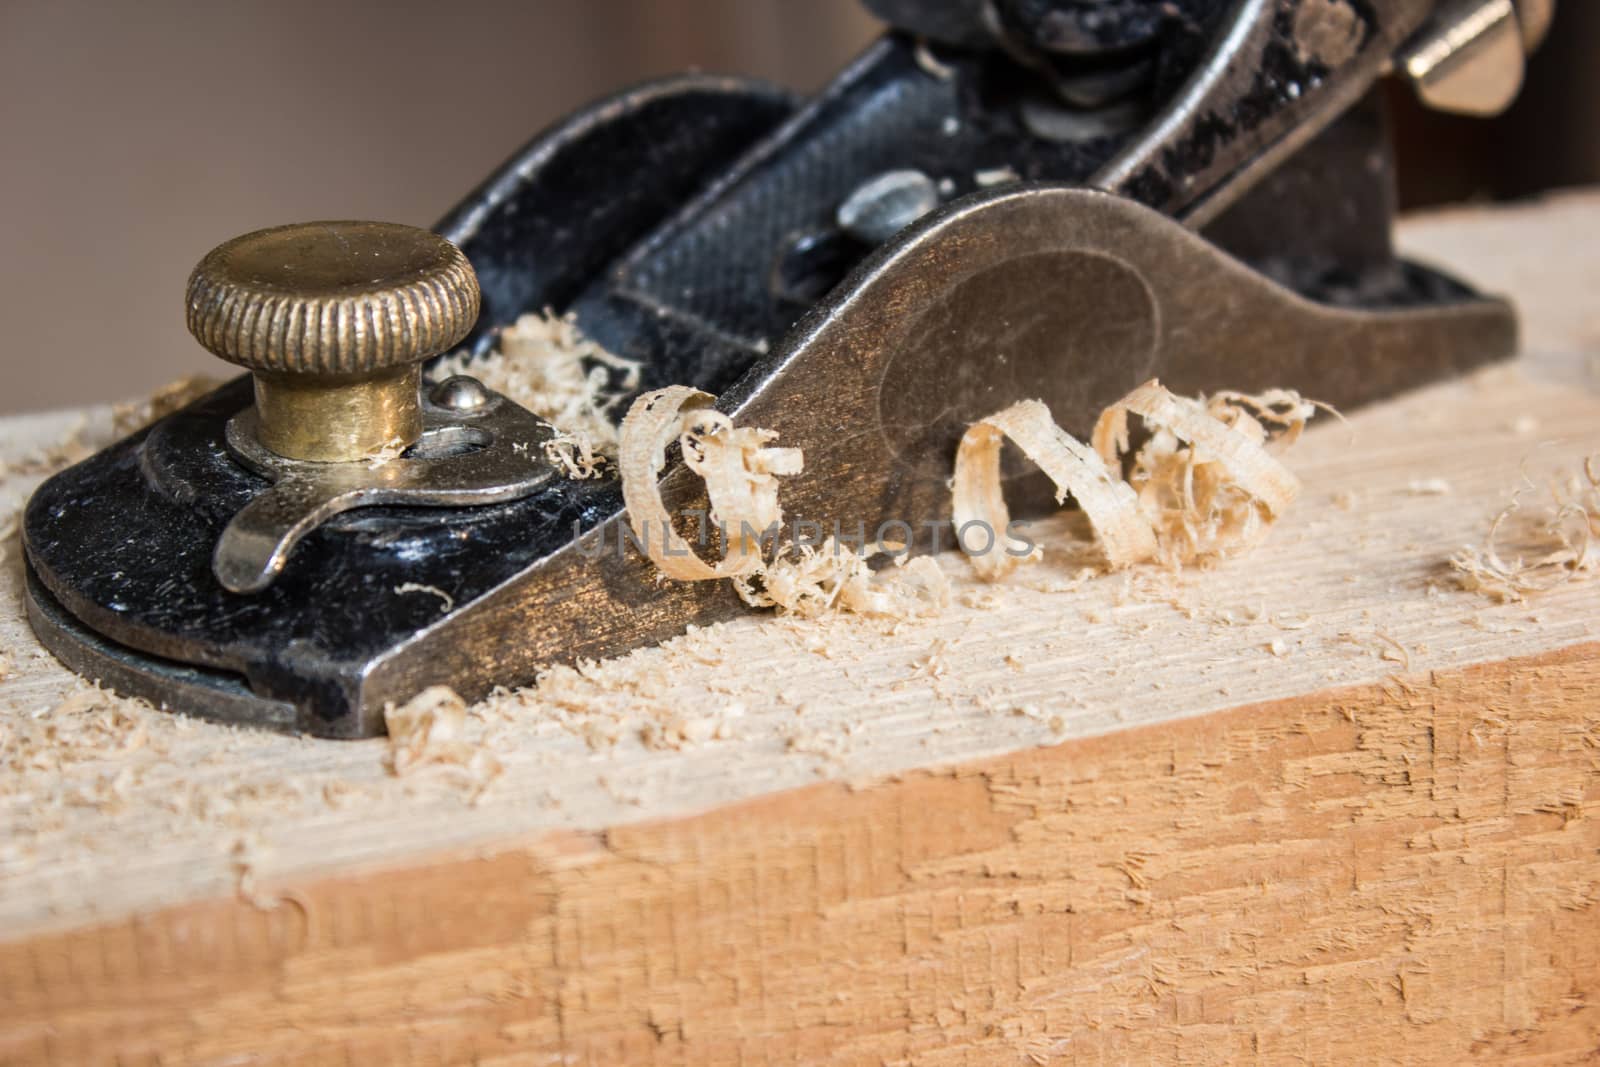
429, 730
447, 603
576, 456
1557, 545
930, 63
977, 497
739, 470
1199, 450
741, 473
546, 364
1201, 487
1205, 480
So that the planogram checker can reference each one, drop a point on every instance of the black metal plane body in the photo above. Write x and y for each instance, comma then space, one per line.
694, 225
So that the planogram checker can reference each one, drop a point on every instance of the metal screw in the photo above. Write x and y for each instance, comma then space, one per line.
460, 392
882, 206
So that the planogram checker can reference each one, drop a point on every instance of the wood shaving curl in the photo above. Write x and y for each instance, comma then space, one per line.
429, 730
739, 470
1557, 545
977, 498
1202, 487
447, 603
741, 473
576, 456
1204, 479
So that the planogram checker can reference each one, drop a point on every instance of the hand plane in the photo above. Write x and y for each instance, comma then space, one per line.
998, 200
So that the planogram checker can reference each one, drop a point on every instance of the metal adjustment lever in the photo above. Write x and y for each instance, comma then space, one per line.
334, 319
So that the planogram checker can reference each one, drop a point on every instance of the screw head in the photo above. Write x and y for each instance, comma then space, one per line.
460, 392
333, 320
332, 298
882, 206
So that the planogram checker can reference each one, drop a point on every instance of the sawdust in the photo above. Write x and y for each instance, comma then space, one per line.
812, 581
80, 442
577, 457
89, 725
635, 697
72, 447
546, 364
601, 703
129, 417
1530, 552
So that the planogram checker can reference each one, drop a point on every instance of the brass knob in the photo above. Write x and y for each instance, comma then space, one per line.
333, 319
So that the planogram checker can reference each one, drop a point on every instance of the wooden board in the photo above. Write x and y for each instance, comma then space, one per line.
1316, 804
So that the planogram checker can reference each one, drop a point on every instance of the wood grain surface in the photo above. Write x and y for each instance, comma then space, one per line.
1317, 805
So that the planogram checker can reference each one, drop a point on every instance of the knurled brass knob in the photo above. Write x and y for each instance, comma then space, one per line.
334, 319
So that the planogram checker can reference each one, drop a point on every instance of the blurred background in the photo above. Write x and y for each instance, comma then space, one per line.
134, 137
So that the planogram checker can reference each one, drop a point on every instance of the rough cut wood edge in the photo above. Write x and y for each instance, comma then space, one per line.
1406, 872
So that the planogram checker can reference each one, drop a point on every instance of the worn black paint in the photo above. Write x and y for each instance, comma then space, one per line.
663, 218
